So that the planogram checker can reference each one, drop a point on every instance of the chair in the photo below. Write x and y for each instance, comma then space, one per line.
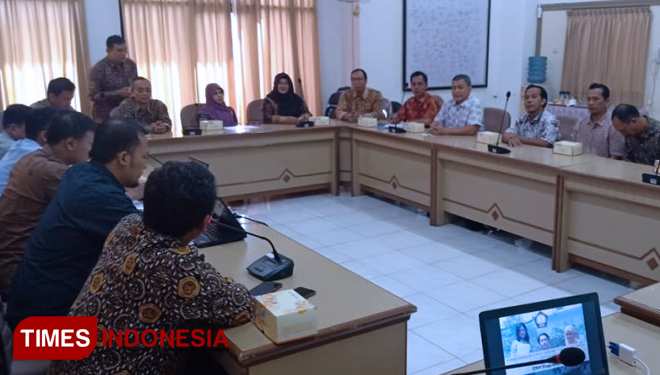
386, 107
567, 128
254, 114
439, 100
493, 119
1, 113
189, 115
333, 101
10, 366
395, 107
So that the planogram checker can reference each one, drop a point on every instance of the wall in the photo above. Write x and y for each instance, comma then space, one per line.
103, 20
512, 36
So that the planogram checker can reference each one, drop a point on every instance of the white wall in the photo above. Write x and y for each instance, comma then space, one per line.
102, 21
512, 36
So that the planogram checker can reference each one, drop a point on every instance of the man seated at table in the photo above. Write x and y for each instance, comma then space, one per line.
359, 100
595, 131
33, 182
422, 107
537, 127
150, 277
36, 123
90, 201
13, 126
463, 114
59, 95
140, 106
642, 134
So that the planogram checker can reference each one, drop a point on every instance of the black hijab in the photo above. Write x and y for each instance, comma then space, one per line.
288, 104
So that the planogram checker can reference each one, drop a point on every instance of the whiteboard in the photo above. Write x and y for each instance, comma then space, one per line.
443, 38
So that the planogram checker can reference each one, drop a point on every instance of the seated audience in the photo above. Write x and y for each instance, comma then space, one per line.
595, 131
33, 182
463, 114
110, 78
90, 201
13, 126
140, 106
215, 107
642, 134
149, 276
36, 123
59, 95
537, 127
282, 105
422, 107
359, 100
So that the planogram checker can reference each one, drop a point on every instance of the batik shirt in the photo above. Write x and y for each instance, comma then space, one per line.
544, 126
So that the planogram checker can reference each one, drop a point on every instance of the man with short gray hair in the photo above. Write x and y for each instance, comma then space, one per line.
463, 114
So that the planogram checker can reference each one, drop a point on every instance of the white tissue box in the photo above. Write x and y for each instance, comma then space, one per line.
414, 127
211, 125
368, 122
285, 316
321, 120
567, 148
488, 137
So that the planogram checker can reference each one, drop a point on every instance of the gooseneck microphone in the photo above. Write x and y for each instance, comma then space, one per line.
395, 128
568, 357
496, 148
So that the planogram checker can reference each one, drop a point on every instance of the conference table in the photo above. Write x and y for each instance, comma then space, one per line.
591, 210
620, 328
362, 327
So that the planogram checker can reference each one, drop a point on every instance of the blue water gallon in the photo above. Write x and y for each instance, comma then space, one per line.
537, 69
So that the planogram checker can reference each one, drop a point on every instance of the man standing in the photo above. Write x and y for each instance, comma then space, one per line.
642, 134
58, 96
110, 79
33, 182
13, 126
90, 201
537, 127
422, 107
595, 131
140, 106
359, 100
463, 114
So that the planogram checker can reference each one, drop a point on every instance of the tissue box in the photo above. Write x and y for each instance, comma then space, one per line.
567, 148
211, 125
488, 137
414, 127
321, 120
285, 316
368, 122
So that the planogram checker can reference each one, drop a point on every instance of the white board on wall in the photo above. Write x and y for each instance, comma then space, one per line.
443, 38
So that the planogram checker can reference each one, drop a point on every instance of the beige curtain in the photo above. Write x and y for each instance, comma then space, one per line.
279, 36
181, 46
41, 40
609, 46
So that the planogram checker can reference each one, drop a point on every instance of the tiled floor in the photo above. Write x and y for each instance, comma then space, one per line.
450, 273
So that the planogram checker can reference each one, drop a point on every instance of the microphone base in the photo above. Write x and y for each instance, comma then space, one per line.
267, 268
305, 124
498, 150
651, 178
396, 129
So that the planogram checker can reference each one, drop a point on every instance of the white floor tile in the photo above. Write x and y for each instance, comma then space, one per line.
429, 310
606, 290
335, 236
472, 242
432, 252
332, 254
468, 266
442, 233
361, 269
508, 282
392, 262
542, 271
306, 227
542, 294
361, 248
465, 296
477, 355
497, 305
609, 308
508, 256
375, 228
422, 354
350, 219
401, 240
393, 286
441, 368
458, 335
426, 278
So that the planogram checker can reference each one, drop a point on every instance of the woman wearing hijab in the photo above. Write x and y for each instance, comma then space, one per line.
281, 105
215, 107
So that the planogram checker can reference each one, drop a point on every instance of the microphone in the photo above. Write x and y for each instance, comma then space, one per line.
497, 149
395, 128
568, 357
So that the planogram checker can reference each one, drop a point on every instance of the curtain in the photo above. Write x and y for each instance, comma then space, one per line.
279, 36
608, 46
41, 40
180, 46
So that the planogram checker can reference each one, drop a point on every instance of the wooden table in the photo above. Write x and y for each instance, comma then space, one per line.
643, 304
362, 327
619, 328
260, 160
